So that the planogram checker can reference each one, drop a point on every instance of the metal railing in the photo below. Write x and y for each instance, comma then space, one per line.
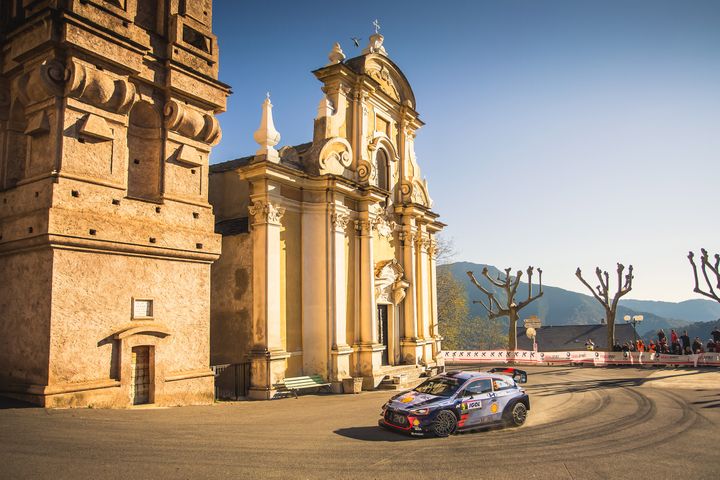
232, 381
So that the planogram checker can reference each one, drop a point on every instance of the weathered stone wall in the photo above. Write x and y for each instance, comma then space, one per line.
106, 126
25, 319
231, 302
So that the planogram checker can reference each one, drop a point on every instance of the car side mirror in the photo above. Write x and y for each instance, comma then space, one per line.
523, 378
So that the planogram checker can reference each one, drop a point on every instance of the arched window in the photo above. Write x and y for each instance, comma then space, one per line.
16, 146
383, 170
144, 143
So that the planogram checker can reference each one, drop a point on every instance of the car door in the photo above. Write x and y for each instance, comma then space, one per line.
503, 393
477, 398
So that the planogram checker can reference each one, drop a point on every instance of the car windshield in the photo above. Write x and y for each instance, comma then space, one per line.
441, 386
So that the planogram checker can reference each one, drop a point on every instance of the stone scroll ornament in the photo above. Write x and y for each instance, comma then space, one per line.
191, 123
98, 88
42, 82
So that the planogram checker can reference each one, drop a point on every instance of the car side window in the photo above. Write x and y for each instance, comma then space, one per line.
478, 387
500, 385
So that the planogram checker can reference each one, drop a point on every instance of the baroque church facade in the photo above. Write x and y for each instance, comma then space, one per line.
327, 262
112, 222
106, 234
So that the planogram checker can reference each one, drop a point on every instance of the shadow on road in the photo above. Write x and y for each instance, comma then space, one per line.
8, 403
372, 434
549, 389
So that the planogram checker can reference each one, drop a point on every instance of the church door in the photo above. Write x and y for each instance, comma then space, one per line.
140, 381
382, 316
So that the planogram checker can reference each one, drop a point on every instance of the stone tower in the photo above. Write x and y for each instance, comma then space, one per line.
106, 234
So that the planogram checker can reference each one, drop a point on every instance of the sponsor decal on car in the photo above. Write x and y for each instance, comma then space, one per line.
471, 405
494, 408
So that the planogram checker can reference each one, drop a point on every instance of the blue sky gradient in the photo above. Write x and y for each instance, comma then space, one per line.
559, 133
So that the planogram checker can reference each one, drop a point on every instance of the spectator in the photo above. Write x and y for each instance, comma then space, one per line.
590, 345
661, 336
697, 346
652, 348
625, 347
711, 346
685, 342
674, 343
716, 335
617, 347
640, 345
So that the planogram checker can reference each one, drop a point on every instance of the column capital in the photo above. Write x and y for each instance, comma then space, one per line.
340, 219
264, 212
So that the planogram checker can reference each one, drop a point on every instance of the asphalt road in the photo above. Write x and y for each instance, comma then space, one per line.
585, 423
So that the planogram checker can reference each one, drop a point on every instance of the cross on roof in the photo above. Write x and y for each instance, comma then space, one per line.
376, 24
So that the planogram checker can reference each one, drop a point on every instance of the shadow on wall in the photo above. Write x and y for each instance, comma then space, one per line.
10, 403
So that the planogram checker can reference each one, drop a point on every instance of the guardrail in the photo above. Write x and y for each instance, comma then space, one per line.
598, 359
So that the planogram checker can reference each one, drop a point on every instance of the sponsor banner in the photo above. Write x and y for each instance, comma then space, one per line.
525, 357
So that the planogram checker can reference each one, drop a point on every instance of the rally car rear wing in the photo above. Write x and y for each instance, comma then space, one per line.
520, 376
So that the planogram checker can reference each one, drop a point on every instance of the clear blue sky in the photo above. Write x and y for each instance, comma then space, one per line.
559, 133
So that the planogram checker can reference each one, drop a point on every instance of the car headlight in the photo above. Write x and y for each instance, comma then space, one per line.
420, 411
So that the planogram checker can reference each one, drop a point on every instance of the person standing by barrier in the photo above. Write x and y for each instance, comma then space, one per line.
617, 347
711, 346
661, 336
651, 347
590, 345
697, 346
674, 343
685, 341
716, 335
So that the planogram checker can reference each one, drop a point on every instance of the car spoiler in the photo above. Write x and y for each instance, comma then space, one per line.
520, 376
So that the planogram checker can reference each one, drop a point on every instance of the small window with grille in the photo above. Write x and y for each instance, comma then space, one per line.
142, 308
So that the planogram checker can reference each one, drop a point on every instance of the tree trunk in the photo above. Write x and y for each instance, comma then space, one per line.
512, 333
610, 318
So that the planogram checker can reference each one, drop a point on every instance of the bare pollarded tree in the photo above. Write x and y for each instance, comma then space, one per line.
510, 285
705, 265
602, 295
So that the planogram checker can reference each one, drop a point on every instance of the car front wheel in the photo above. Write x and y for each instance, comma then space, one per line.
445, 424
516, 415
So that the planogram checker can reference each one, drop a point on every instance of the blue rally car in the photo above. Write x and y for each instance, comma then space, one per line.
458, 401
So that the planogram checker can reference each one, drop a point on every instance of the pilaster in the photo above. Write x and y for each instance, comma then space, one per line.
340, 352
267, 356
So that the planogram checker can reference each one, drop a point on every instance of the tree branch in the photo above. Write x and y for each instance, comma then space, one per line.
492, 280
578, 274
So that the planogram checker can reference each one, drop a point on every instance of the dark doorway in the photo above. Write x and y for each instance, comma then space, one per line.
140, 386
382, 316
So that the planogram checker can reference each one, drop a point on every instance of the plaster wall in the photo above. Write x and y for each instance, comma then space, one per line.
92, 300
25, 319
291, 291
231, 301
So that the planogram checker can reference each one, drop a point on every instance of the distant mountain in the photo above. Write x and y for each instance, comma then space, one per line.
563, 307
690, 310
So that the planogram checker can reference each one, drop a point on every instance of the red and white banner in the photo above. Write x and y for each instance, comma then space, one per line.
600, 359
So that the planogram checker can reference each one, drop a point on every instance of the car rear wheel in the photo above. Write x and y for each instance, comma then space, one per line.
516, 415
445, 424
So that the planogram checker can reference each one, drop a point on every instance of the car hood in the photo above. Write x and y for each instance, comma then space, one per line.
413, 399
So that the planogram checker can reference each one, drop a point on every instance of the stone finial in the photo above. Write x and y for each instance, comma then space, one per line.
336, 55
266, 136
376, 41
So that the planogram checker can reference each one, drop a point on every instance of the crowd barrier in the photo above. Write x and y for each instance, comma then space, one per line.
598, 359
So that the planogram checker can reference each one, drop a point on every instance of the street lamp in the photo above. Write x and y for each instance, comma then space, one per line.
635, 319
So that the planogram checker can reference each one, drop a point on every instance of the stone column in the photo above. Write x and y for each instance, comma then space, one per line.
267, 356
409, 341
340, 350
434, 330
369, 350
423, 293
